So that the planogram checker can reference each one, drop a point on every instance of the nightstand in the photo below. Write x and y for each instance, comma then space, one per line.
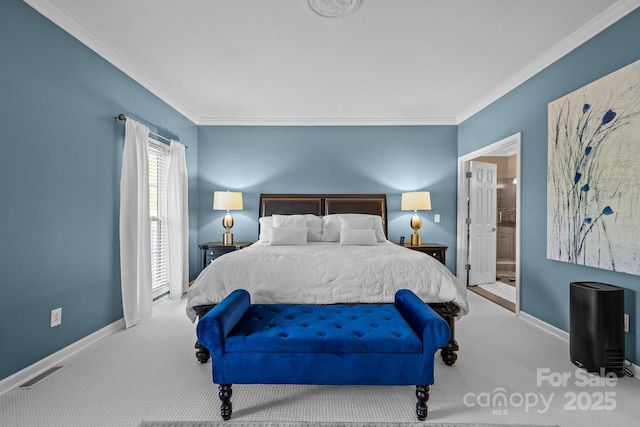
212, 250
434, 249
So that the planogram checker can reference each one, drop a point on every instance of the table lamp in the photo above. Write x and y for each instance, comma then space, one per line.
229, 201
416, 201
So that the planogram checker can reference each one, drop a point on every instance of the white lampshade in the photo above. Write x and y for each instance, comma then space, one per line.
227, 200
416, 201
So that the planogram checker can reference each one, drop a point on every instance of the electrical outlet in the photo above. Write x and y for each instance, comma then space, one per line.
436, 218
56, 317
626, 323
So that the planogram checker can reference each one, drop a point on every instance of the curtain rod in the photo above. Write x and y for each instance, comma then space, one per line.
124, 119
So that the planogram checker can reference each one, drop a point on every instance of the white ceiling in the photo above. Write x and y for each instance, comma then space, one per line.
272, 62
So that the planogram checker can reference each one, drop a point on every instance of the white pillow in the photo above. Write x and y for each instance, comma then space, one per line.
378, 227
355, 237
312, 222
266, 222
289, 221
331, 226
356, 222
288, 236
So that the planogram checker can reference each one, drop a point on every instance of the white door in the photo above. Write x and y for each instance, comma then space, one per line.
482, 223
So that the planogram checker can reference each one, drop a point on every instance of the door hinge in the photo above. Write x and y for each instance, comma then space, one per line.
468, 175
467, 267
468, 221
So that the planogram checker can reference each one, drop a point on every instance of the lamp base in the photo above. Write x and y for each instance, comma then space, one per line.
416, 239
227, 239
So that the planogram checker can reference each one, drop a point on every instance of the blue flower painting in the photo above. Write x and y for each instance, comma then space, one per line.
593, 174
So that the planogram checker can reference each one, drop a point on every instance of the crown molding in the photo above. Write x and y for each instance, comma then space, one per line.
326, 121
607, 18
52, 12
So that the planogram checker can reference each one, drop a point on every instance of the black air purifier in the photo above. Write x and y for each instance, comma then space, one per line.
596, 327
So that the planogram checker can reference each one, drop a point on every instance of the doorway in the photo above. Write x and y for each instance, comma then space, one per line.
505, 229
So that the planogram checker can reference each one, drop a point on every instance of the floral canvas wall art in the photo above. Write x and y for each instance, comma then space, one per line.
593, 174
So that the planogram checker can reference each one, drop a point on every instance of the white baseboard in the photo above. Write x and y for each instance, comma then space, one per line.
39, 367
545, 326
635, 369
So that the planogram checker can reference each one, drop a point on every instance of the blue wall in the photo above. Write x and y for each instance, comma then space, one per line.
545, 283
59, 175
367, 159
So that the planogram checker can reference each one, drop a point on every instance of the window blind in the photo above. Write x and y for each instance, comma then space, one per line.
158, 192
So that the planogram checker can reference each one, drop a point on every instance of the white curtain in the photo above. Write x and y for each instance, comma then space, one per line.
178, 221
135, 240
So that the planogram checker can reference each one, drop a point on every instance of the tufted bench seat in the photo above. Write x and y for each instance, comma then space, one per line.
358, 344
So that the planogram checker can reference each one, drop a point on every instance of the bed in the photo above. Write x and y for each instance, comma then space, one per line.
327, 249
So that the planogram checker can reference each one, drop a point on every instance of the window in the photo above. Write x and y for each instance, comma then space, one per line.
158, 164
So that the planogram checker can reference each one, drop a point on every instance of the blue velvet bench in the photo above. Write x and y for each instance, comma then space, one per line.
348, 344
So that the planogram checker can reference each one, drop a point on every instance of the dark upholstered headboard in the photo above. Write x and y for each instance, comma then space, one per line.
324, 204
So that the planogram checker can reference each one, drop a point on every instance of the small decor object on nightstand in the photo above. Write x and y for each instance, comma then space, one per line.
416, 201
229, 201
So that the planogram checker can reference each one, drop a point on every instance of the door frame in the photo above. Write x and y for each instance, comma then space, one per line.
511, 142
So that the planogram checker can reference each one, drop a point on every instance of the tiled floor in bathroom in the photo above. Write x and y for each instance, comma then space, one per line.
502, 292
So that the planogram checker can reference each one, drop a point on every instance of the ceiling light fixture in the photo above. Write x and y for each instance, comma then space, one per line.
332, 8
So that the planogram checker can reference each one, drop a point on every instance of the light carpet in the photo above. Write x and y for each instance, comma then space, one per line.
232, 423
149, 373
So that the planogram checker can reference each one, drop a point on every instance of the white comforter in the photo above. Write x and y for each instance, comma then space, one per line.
325, 273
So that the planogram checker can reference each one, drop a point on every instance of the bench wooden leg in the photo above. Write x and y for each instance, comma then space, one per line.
422, 393
225, 396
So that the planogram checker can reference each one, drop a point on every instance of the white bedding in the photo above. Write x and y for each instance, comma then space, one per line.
325, 273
